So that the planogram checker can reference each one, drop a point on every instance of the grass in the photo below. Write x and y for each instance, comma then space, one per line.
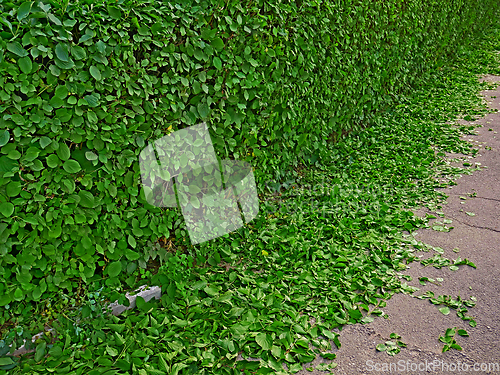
326, 250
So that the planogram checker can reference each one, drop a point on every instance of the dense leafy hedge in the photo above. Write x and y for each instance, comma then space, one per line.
86, 85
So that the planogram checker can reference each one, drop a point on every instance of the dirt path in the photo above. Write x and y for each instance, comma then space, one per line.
419, 322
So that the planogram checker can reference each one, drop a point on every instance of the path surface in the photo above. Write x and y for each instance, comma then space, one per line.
417, 320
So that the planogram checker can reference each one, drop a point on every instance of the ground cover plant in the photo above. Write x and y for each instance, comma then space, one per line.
324, 253
328, 257
87, 85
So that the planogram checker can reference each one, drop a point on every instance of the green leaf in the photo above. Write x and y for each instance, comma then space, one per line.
92, 117
61, 92
194, 189
86, 198
367, 319
265, 341
463, 332
69, 22
56, 102
37, 293
78, 52
445, 310
40, 351
450, 332
217, 63
203, 110
85, 37
63, 151
14, 155
131, 241
18, 294
355, 314
62, 52
114, 269
114, 12
13, 189
92, 100
211, 291
6, 361
195, 201
54, 19
218, 44
66, 65
6, 164
5, 299
23, 10
17, 49
52, 161
25, 64
55, 70
101, 46
323, 367
89, 155
18, 119
295, 367
72, 166
131, 255
381, 347
327, 355
116, 327
276, 351
55, 351
94, 71
144, 30
198, 54
4, 137
6, 209
45, 141
111, 351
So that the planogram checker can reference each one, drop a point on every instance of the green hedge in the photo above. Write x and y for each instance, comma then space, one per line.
85, 85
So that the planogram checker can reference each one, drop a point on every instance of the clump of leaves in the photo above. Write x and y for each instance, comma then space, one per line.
390, 347
458, 304
449, 338
438, 261
424, 279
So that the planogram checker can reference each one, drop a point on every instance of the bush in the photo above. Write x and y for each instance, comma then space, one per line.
86, 85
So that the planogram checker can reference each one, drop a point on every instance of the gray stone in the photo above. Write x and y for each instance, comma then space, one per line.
116, 309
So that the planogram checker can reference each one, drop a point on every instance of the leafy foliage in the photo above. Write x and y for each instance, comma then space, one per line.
390, 347
86, 85
458, 304
449, 338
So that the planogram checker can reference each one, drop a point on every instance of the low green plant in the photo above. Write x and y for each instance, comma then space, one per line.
277, 288
449, 338
390, 347
458, 304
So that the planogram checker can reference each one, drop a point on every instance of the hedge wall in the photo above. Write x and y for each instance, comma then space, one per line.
86, 85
